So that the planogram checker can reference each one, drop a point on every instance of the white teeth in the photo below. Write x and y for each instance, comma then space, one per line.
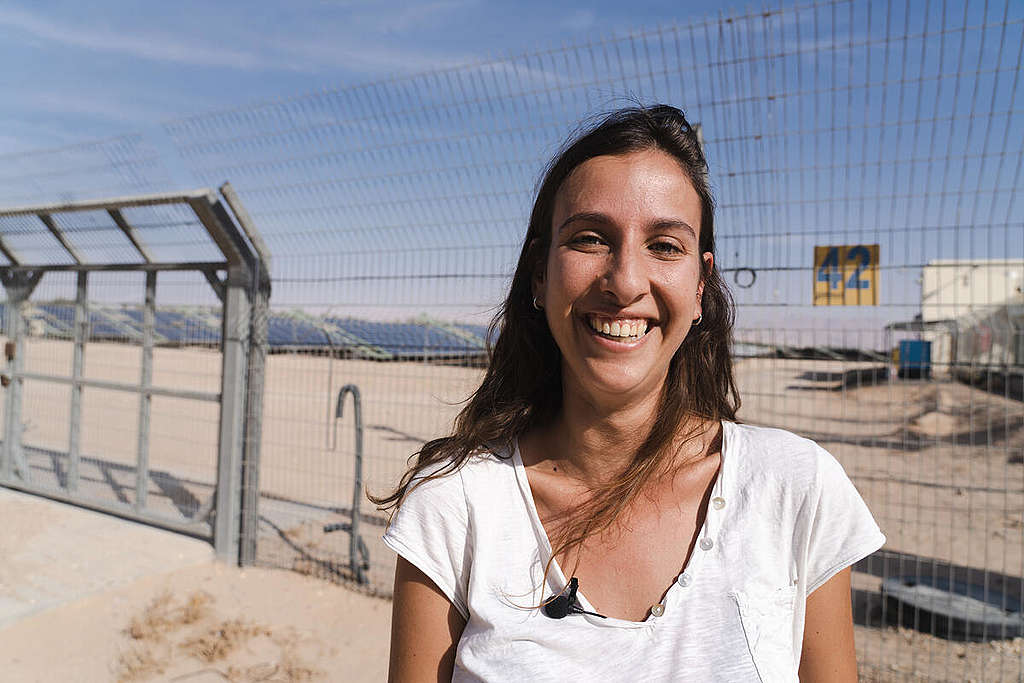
617, 328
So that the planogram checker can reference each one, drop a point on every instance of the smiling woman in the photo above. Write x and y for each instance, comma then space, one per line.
597, 511
623, 256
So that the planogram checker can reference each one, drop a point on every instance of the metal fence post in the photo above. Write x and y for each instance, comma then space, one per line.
145, 398
254, 423
12, 406
19, 287
258, 343
236, 327
81, 333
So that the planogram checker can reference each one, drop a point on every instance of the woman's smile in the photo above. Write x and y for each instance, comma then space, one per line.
618, 329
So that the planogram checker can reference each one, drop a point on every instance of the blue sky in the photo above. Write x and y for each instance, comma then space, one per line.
75, 71
833, 122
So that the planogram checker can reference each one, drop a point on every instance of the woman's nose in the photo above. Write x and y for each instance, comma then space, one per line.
625, 279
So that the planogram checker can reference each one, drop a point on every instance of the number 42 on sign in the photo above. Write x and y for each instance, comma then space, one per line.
846, 275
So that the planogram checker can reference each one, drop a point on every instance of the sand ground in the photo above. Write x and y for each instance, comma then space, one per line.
88, 597
254, 624
939, 463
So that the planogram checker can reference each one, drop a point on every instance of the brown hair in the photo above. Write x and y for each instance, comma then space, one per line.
522, 388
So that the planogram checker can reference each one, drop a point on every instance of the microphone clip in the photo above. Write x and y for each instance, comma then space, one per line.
564, 604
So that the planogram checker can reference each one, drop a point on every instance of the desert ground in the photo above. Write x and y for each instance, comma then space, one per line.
127, 602
941, 465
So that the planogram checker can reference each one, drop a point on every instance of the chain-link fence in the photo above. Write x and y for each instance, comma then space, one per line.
866, 158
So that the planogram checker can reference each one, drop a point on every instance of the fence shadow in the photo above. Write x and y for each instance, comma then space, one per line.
103, 480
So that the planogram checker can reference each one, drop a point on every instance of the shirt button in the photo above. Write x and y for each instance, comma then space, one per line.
684, 580
657, 610
718, 502
706, 544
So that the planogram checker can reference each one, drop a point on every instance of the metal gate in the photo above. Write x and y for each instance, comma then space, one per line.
109, 364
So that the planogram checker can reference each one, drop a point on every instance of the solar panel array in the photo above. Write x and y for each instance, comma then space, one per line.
294, 331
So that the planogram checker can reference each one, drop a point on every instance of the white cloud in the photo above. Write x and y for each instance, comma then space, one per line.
356, 46
299, 54
74, 104
134, 42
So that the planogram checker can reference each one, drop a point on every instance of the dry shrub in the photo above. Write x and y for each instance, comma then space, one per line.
196, 607
162, 616
137, 662
154, 621
221, 640
164, 628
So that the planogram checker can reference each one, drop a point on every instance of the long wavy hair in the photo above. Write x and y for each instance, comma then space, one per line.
522, 388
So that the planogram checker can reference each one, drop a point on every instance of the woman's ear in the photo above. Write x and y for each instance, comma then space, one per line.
537, 280
707, 265
537, 288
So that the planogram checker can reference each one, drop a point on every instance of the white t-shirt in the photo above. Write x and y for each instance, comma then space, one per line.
784, 519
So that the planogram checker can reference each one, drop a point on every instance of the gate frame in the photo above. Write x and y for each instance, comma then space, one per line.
244, 293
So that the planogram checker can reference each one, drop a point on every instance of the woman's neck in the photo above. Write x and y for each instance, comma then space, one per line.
594, 444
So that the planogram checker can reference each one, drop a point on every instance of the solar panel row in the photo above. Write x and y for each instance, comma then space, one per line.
285, 330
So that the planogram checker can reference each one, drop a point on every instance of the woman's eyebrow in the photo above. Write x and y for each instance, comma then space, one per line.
604, 219
585, 216
679, 224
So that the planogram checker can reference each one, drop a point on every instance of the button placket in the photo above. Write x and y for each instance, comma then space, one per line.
717, 503
706, 543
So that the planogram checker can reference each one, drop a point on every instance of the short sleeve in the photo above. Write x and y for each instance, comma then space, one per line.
841, 528
431, 530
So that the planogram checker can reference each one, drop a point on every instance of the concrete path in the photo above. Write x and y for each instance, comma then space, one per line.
53, 554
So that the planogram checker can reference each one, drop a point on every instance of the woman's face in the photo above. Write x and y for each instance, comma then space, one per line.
622, 283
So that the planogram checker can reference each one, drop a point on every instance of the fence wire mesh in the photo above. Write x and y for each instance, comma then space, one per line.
110, 423
394, 212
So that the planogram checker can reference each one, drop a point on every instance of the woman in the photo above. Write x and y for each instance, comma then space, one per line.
597, 513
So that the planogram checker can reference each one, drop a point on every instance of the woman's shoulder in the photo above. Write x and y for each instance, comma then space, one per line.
769, 453
446, 476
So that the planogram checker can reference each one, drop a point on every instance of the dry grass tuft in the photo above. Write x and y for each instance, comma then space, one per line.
221, 640
136, 663
167, 635
154, 621
162, 616
196, 607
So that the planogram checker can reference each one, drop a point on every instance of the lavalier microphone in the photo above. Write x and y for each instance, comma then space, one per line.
564, 604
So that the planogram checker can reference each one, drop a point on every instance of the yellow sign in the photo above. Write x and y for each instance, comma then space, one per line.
846, 275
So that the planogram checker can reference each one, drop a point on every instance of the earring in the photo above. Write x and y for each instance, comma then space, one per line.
698, 320
536, 304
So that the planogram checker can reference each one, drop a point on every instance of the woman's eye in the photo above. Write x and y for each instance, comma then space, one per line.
668, 248
586, 239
